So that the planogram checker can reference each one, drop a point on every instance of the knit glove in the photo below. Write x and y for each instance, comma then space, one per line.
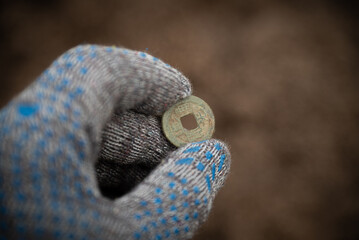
83, 156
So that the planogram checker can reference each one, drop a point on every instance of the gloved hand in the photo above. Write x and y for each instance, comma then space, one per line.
91, 122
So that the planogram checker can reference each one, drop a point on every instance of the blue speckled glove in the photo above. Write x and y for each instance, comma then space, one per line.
76, 142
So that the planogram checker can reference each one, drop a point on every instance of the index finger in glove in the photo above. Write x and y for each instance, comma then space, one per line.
81, 89
108, 78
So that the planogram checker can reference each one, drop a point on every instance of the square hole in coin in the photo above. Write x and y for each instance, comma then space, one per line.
189, 122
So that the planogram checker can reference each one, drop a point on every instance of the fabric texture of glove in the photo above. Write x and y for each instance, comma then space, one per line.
133, 144
82, 155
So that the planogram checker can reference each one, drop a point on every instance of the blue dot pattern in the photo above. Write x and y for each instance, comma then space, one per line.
29, 176
65, 205
26, 125
181, 208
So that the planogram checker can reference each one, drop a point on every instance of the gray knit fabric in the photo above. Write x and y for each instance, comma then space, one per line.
83, 156
132, 146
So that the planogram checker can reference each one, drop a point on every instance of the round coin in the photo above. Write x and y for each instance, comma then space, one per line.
173, 128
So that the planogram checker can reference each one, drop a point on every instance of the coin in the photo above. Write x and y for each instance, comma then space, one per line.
173, 128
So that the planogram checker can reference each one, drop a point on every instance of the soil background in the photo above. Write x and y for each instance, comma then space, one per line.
281, 77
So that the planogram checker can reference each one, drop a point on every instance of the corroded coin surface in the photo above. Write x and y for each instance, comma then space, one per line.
173, 128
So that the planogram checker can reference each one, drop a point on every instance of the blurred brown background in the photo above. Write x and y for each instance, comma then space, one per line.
281, 77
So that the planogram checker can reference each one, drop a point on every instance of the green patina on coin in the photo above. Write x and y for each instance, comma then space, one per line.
179, 135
